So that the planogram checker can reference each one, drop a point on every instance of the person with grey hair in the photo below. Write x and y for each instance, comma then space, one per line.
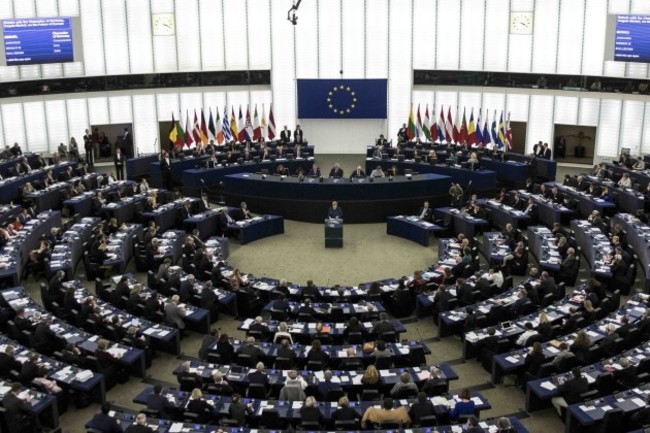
258, 376
252, 350
435, 383
326, 385
294, 387
140, 425
282, 333
626, 377
608, 344
383, 326
175, 314
404, 385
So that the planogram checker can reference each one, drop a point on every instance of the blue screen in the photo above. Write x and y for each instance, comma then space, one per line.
632, 38
33, 41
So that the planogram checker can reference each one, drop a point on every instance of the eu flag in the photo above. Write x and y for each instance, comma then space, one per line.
342, 99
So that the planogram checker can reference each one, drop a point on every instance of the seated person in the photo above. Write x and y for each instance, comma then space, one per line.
465, 406
387, 413
421, 408
404, 385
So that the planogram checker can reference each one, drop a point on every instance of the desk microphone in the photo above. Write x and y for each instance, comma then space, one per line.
418, 331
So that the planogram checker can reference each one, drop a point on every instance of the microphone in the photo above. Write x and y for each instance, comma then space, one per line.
202, 181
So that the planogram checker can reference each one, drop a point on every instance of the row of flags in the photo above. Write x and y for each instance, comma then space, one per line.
222, 130
460, 131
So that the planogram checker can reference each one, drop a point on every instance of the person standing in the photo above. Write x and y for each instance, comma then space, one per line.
335, 212
166, 169
88, 147
119, 163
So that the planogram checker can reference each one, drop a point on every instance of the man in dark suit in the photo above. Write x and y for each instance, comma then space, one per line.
546, 285
546, 153
421, 408
568, 263
569, 392
556, 197
582, 184
18, 412
204, 203
260, 327
258, 376
402, 134
105, 423
531, 210
128, 142
314, 171
618, 267
30, 368
140, 425
280, 304
463, 291
518, 202
23, 323
383, 326
358, 173
159, 402
285, 135
166, 169
8, 362
43, 337
336, 171
335, 212
425, 212
251, 350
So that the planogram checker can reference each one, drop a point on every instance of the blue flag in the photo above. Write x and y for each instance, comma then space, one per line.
342, 99
495, 136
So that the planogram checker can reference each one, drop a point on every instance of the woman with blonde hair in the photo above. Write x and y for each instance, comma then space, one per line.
283, 333
370, 378
580, 345
544, 326
198, 405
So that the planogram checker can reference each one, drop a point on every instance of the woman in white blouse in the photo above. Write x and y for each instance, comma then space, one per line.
625, 181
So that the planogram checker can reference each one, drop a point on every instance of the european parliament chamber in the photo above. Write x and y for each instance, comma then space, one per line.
255, 216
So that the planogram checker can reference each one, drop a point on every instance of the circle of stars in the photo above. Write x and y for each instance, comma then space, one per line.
343, 90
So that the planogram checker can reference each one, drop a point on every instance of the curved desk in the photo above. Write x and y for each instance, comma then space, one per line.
212, 176
484, 182
361, 200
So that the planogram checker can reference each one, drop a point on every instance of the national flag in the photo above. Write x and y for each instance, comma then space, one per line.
196, 130
493, 134
188, 129
204, 129
418, 125
456, 134
257, 130
462, 135
180, 139
479, 133
173, 131
425, 126
249, 124
271, 133
508, 134
502, 131
264, 127
486, 133
225, 127
410, 131
234, 132
441, 127
449, 126
471, 129
212, 131
241, 126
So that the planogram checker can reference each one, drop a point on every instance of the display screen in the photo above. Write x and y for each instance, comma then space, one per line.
631, 38
33, 41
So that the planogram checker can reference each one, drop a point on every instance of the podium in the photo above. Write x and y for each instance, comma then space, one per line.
333, 233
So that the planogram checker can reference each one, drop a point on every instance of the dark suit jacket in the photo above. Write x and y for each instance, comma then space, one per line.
137, 428
285, 135
427, 213
160, 403
357, 173
29, 372
419, 410
8, 363
345, 414
105, 424
258, 377
17, 412
571, 389
383, 327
